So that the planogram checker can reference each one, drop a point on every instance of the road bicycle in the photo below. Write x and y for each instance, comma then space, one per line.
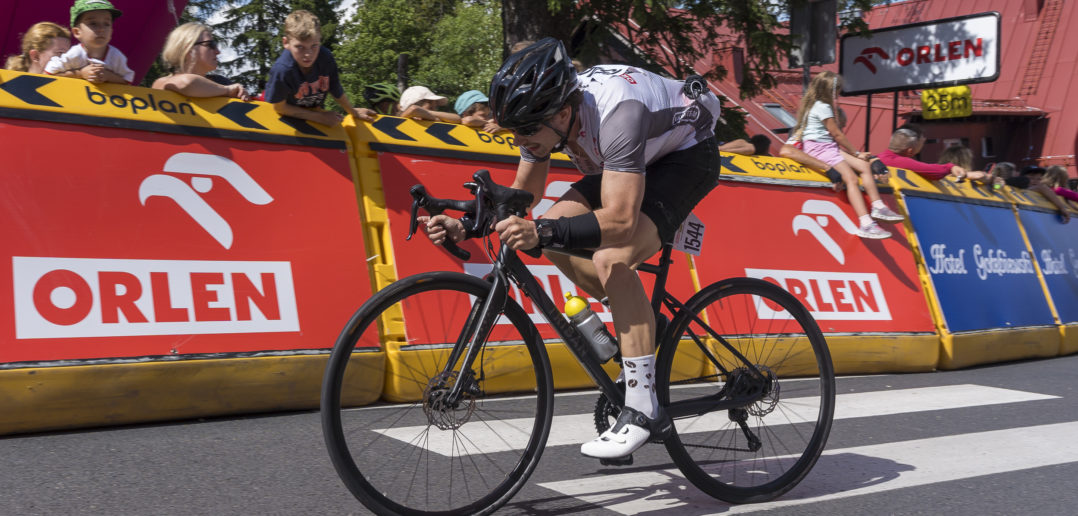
741, 368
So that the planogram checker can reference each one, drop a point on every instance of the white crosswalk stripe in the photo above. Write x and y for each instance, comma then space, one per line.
847, 472
498, 436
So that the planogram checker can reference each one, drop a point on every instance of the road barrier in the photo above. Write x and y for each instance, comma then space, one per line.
174, 257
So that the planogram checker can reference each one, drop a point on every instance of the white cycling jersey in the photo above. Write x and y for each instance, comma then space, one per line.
630, 117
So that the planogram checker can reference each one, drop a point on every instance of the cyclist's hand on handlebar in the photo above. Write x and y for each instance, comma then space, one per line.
439, 227
517, 233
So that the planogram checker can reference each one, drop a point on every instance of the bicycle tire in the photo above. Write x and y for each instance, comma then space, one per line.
775, 332
417, 458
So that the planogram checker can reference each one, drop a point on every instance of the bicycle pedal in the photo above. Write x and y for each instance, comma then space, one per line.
620, 461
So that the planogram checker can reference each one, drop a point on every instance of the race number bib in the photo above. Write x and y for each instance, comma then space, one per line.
690, 236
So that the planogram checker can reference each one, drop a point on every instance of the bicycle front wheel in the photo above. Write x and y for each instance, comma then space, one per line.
755, 417
422, 451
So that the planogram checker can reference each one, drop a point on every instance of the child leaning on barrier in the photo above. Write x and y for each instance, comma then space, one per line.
93, 59
1056, 179
474, 110
819, 132
420, 103
305, 72
40, 44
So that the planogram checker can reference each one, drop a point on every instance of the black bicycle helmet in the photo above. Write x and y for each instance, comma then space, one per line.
532, 85
381, 92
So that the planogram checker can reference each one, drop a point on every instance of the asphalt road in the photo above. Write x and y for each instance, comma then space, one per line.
1002, 440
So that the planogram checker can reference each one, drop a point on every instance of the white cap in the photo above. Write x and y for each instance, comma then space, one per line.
415, 94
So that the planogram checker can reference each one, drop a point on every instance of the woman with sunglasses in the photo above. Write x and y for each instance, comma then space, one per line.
190, 55
646, 146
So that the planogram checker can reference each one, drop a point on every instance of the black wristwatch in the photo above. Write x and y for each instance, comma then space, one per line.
545, 229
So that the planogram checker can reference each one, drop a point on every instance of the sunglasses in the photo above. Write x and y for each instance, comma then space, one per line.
212, 43
527, 130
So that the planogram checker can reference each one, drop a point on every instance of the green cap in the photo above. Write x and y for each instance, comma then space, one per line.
85, 6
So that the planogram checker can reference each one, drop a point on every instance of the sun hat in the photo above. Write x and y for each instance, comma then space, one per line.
466, 99
85, 6
415, 94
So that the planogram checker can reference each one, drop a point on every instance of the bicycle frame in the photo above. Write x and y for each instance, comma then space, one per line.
508, 267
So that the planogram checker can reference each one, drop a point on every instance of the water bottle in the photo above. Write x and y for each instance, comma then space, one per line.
585, 320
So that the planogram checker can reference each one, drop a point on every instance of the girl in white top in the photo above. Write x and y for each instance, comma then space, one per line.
823, 139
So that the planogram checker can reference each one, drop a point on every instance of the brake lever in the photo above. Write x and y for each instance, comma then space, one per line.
418, 194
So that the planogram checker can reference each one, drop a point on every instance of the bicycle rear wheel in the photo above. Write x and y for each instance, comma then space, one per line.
759, 449
420, 452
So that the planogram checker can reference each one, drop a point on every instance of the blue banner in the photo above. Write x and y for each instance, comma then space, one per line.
980, 267
1055, 245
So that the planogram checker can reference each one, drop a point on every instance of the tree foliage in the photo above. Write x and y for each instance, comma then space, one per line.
674, 35
451, 45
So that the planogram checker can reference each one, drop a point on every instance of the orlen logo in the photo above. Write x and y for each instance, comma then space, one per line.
554, 283
815, 216
924, 54
828, 295
833, 296
87, 297
203, 168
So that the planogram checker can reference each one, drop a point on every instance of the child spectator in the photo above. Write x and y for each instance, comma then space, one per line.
93, 58
1034, 175
382, 97
39, 45
190, 55
305, 72
822, 138
420, 103
1056, 179
474, 110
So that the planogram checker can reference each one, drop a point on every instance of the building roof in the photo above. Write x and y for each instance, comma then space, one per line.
1037, 67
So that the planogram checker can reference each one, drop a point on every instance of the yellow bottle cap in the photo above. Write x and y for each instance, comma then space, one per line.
574, 304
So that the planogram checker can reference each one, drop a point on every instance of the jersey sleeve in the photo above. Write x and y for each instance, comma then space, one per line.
623, 135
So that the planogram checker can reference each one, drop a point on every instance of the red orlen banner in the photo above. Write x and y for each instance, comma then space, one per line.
443, 178
803, 240
125, 243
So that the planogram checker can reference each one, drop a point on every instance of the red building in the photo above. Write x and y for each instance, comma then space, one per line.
1021, 117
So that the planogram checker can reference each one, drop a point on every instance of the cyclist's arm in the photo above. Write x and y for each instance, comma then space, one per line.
622, 195
531, 176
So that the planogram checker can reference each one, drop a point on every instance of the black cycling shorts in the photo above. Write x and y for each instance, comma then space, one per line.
674, 185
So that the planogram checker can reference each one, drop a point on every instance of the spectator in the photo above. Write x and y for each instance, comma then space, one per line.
761, 145
792, 149
906, 142
1056, 179
738, 146
474, 110
190, 55
420, 103
305, 72
382, 97
959, 155
822, 138
41, 43
94, 59
1034, 177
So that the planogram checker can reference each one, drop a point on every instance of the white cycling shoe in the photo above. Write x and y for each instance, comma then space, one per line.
631, 431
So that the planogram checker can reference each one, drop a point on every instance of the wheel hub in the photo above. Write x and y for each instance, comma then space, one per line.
440, 410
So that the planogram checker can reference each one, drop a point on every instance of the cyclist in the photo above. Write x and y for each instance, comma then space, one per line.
382, 97
648, 154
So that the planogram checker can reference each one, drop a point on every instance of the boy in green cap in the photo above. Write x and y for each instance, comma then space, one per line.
93, 58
